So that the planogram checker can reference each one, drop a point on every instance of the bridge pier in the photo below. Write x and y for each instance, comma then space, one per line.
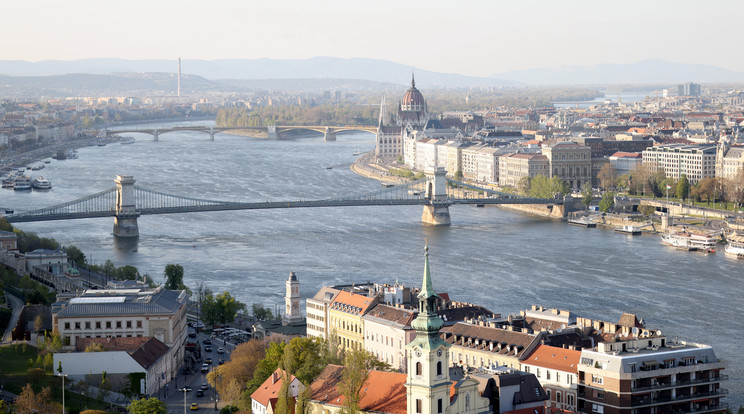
329, 135
125, 220
437, 212
155, 134
271, 131
211, 134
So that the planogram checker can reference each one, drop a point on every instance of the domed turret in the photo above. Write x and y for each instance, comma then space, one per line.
412, 107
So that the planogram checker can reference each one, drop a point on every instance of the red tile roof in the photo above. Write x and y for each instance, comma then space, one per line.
382, 392
352, 303
551, 357
270, 388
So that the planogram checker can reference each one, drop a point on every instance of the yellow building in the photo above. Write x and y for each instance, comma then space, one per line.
345, 318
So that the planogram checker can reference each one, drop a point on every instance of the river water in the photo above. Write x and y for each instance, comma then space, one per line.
503, 260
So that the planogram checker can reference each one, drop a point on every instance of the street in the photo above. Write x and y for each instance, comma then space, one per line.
175, 399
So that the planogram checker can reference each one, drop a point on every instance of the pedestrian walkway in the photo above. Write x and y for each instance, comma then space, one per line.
17, 305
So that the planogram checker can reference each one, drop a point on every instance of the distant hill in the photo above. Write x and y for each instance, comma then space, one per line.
374, 70
644, 72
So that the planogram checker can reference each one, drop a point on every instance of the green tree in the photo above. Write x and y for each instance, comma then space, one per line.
173, 276
75, 254
227, 307
683, 187
261, 313
559, 186
353, 378
607, 202
202, 291
524, 186
540, 187
587, 195
147, 406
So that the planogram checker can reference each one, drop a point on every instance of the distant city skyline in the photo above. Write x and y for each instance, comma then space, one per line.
478, 38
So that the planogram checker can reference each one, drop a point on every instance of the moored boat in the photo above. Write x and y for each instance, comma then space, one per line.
22, 182
685, 240
629, 229
583, 221
127, 140
735, 246
41, 183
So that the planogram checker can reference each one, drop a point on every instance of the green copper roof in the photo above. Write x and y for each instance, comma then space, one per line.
427, 322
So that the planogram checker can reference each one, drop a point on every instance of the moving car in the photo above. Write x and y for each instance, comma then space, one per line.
208, 360
220, 350
194, 406
208, 348
207, 341
205, 367
199, 393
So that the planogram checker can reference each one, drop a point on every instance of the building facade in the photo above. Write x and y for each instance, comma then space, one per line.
569, 161
514, 167
694, 161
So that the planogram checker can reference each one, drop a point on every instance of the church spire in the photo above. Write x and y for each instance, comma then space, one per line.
427, 322
427, 289
413, 81
383, 111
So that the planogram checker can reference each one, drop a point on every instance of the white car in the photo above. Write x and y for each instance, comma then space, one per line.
205, 367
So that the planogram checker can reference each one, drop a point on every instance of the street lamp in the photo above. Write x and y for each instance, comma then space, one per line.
184, 399
59, 369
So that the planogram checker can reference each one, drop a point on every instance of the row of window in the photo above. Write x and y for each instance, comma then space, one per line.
550, 375
100, 324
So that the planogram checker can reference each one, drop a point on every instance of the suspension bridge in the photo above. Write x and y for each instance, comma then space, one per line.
127, 201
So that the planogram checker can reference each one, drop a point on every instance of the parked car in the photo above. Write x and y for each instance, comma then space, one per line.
192, 334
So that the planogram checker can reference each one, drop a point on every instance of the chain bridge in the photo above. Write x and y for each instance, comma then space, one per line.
127, 201
272, 131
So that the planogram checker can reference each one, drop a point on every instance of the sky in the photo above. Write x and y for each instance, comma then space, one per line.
477, 38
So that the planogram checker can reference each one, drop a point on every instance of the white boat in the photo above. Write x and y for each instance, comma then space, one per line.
47, 160
35, 166
8, 182
41, 183
583, 221
735, 246
629, 229
72, 154
22, 182
127, 140
685, 240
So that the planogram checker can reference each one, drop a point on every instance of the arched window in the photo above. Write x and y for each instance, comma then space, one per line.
467, 402
418, 369
439, 367
557, 397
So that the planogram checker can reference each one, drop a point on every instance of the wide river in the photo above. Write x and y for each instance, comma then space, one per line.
503, 260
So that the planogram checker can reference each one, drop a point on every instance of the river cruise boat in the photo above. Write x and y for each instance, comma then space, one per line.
735, 246
127, 140
22, 182
684, 240
582, 221
41, 183
8, 182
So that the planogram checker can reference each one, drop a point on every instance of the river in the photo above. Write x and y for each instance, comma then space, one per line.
503, 260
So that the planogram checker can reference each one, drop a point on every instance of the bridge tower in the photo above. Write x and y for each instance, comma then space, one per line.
271, 131
436, 212
125, 221
329, 135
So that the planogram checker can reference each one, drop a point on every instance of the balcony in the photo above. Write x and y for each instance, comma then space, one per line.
680, 398
681, 384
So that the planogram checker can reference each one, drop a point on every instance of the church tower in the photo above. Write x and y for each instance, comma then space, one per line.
292, 300
428, 383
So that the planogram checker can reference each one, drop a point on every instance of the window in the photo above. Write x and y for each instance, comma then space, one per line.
439, 368
597, 379
418, 405
77, 325
600, 395
67, 325
108, 324
129, 324
87, 325
547, 374
538, 373
139, 324
418, 368
439, 406
98, 324
118, 324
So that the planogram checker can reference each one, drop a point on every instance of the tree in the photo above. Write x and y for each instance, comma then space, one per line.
284, 401
75, 254
523, 185
540, 187
30, 402
607, 175
559, 186
230, 379
683, 187
352, 380
261, 313
646, 209
458, 175
202, 291
147, 406
227, 307
587, 195
173, 276
607, 202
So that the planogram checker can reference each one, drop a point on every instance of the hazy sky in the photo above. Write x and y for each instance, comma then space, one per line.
468, 37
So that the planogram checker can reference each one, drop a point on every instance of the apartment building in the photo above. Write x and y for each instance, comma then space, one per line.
649, 374
569, 161
514, 167
316, 309
694, 161
345, 318
387, 331
557, 370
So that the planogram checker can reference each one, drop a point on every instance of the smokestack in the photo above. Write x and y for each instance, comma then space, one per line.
179, 76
